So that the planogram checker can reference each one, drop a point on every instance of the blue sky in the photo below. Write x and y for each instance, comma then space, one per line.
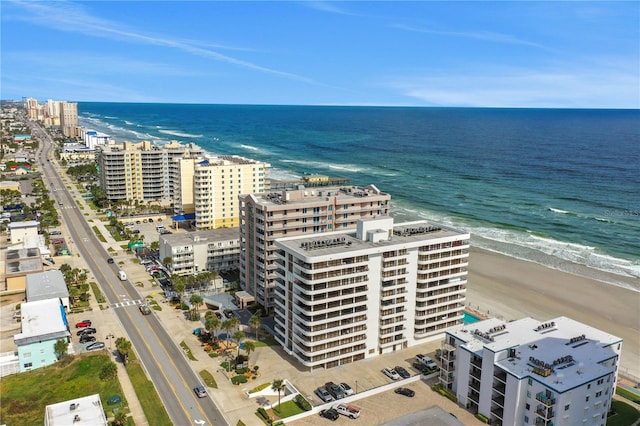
495, 54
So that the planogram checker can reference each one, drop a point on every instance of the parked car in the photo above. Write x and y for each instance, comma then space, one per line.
335, 390
110, 260
391, 373
95, 346
86, 338
145, 309
330, 414
346, 388
405, 391
348, 410
323, 394
426, 361
88, 330
402, 372
200, 391
83, 323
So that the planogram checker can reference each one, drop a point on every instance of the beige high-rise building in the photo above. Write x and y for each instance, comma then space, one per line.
217, 183
142, 171
306, 211
69, 118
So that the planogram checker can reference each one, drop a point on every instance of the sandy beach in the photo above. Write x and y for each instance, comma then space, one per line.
505, 287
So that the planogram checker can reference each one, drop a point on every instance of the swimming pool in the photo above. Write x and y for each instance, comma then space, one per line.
470, 319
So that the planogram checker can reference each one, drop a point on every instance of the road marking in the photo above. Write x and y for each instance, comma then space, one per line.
126, 303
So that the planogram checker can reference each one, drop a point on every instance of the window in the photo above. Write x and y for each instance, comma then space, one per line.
28, 364
598, 394
529, 382
528, 394
586, 399
526, 419
528, 407
27, 355
589, 386
566, 407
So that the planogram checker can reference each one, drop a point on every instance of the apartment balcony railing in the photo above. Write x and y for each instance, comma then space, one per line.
546, 399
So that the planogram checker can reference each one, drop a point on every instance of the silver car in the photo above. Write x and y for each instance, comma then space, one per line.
323, 394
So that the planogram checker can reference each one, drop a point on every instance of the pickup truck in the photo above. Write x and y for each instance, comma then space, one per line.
350, 411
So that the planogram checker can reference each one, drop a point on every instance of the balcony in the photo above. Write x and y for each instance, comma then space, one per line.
546, 413
547, 399
501, 376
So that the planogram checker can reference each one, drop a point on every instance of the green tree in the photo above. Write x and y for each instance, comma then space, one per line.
249, 347
212, 323
119, 418
109, 371
255, 323
60, 347
123, 346
196, 300
278, 386
238, 336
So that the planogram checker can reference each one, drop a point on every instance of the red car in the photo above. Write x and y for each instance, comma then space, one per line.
83, 323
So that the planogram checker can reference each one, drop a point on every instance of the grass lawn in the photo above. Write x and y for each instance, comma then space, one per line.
627, 394
25, 395
625, 414
286, 409
187, 351
149, 400
268, 341
208, 379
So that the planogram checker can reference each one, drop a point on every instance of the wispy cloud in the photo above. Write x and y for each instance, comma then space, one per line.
524, 88
478, 35
71, 17
326, 6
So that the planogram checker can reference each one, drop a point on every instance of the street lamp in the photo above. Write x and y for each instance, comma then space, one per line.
109, 337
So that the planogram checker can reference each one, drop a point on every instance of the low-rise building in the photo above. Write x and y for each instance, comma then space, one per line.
43, 323
530, 372
347, 296
19, 231
195, 252
84, 411
47, 285
20, 263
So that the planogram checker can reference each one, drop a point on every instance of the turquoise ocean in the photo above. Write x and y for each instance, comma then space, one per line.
560, 187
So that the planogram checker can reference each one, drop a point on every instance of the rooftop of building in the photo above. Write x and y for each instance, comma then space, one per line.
41, 318
24, 224
202, 237
46, 285
86, 410
227, 160
388, 235
302, 194
561, 353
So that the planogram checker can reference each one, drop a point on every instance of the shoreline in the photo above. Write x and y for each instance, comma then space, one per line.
510, 288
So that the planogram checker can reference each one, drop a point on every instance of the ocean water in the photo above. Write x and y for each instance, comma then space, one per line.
553, 186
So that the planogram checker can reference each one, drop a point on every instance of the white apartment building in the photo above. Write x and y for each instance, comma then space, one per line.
528, 372
92, 138
141, 171
217, 183
264, 217
195, 252
346, 296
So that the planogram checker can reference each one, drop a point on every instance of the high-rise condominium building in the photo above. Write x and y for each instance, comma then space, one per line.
528, 372
69, 118
346, 296
210, 188
142, 171
267, 216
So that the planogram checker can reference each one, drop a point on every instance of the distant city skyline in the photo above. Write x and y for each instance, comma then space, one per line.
461, 54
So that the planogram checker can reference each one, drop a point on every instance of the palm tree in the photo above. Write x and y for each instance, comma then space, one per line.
254, 322
196, 300
212, 323
238, 336
235, 322
123, 346
278, 385
249, 347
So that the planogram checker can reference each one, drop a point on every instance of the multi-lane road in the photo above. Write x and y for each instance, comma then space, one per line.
164, 361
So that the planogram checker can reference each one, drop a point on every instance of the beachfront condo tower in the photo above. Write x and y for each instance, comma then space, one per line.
211, 191
345, 296
530, 372
141, 172
264, 217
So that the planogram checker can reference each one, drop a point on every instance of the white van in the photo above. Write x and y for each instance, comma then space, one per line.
122, 275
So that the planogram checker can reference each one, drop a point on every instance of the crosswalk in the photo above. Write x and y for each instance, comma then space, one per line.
126, 303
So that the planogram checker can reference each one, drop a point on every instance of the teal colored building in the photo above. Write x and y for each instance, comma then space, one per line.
43, 322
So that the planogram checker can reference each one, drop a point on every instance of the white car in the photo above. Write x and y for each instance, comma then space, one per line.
346, 388
391, 373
